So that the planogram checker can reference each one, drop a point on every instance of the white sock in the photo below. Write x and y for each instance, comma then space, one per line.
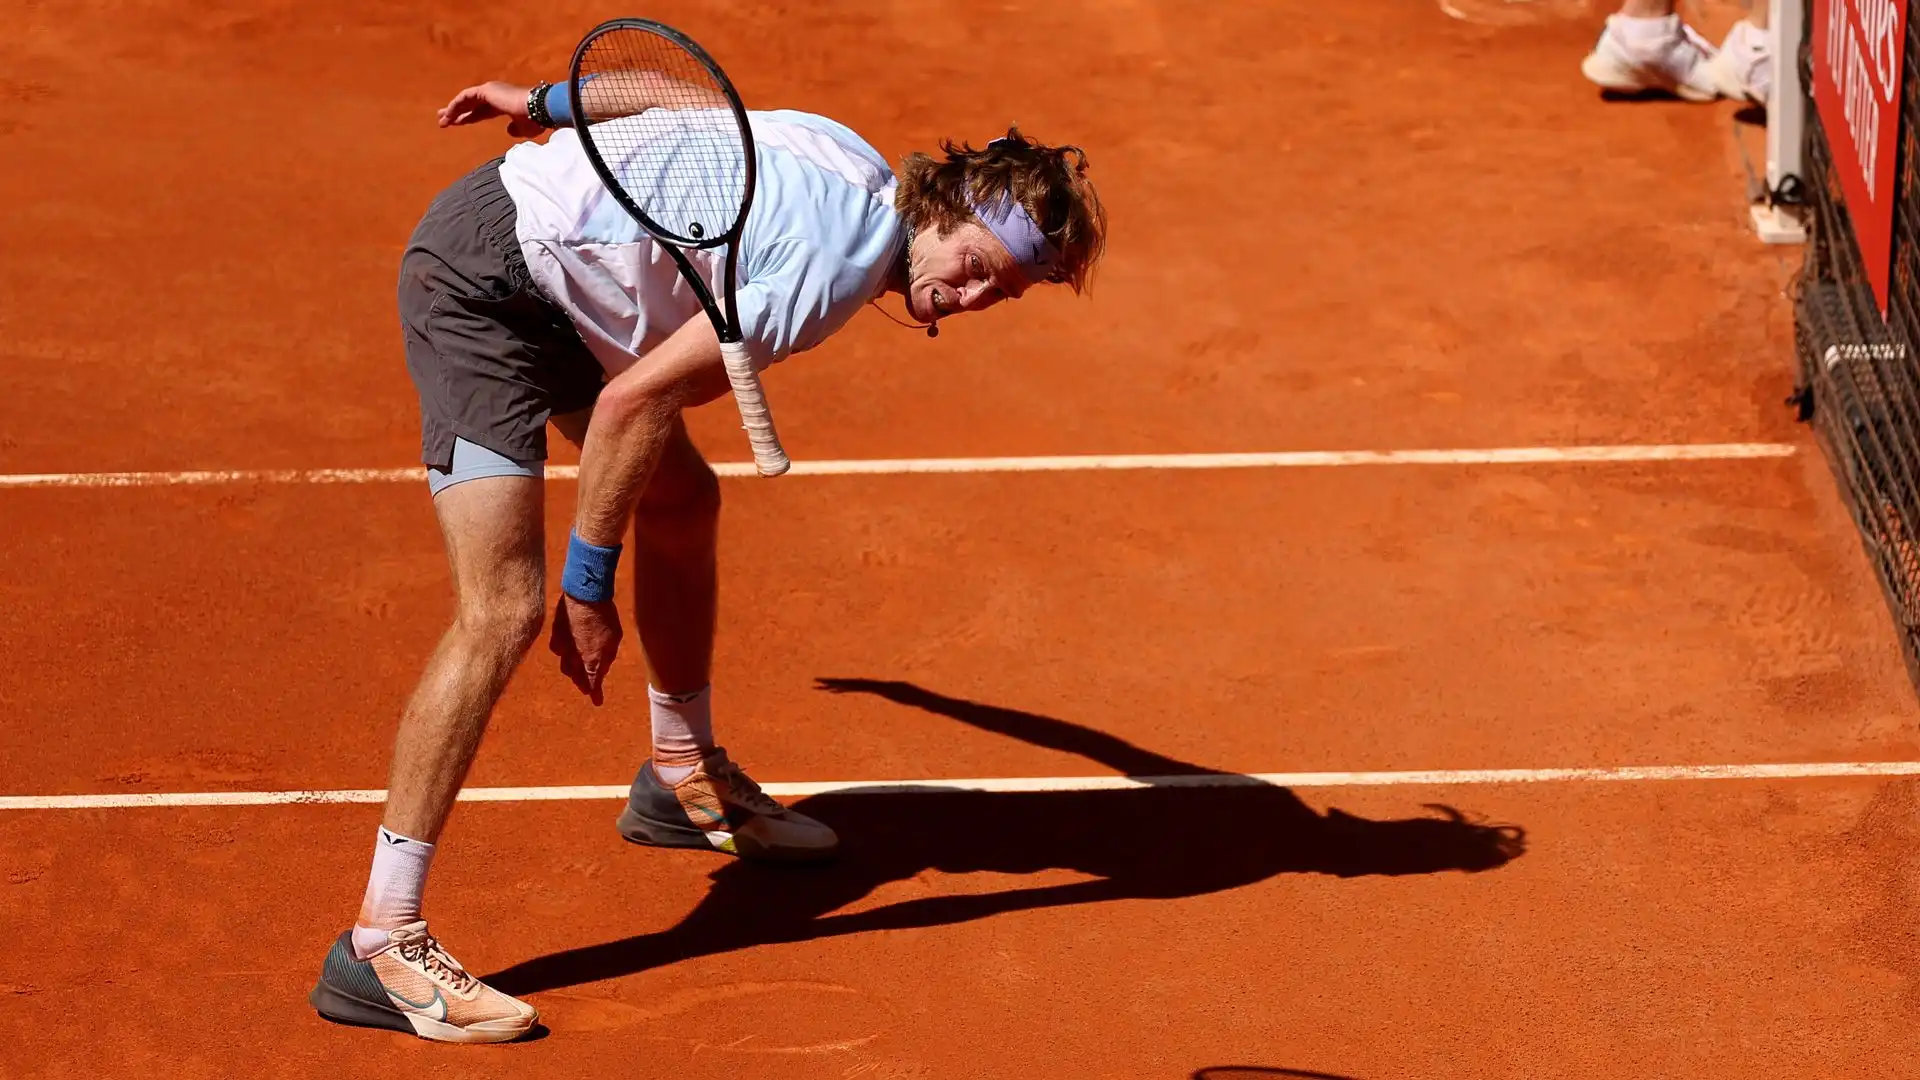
682, 731
393, 890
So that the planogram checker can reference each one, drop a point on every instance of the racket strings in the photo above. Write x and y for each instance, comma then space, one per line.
669, 138
663, 123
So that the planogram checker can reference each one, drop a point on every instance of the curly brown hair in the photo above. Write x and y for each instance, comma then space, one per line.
1049, 181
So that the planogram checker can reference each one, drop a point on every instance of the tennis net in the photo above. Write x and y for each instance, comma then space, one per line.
1859, 386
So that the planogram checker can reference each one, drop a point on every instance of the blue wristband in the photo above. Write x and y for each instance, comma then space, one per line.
589, 573
559, 105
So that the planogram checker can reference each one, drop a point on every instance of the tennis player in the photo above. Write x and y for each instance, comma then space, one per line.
528, 296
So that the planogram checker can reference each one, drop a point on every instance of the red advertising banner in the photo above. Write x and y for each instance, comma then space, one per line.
1859, 47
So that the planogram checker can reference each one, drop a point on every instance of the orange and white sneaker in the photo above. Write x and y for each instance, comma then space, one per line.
719, 807
415, 985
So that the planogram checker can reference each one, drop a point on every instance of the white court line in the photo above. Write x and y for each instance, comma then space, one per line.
1289, 459
1422, 778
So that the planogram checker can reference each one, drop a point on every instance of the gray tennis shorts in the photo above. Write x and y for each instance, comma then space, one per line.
491, 357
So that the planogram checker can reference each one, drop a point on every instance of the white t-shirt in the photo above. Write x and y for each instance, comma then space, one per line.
819, 240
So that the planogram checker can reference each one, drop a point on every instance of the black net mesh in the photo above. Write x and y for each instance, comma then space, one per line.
1859, 382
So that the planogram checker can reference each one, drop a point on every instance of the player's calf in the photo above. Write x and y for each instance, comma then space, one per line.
680, 509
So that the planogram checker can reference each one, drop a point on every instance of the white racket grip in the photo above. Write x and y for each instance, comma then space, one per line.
768, 457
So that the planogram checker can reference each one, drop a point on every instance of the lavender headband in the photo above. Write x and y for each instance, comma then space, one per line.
1010, 223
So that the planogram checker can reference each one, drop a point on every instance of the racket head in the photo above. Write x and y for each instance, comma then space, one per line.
664, 128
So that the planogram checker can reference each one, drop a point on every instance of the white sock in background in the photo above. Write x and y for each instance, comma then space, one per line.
393, 890
682, 732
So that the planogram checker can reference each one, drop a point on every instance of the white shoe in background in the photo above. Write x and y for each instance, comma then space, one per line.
1664, 54
1743, 68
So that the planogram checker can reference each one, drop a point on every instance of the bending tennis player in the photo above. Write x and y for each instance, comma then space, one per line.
527, 295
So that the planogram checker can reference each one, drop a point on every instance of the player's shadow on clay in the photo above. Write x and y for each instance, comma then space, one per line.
1164, 841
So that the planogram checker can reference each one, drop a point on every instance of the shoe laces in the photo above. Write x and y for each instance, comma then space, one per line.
423, 949
741, 787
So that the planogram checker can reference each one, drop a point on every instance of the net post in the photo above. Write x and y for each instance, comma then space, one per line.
1779, 221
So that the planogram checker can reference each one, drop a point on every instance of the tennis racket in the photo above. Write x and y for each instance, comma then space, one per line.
666, 132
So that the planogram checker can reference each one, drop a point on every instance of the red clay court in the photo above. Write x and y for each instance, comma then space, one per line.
1365, 227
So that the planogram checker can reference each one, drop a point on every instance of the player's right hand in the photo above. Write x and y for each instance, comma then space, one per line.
489, 100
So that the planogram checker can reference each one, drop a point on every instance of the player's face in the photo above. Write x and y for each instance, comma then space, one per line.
966, 270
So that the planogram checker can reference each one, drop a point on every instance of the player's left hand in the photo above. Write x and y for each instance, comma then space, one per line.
488, 100
585, 638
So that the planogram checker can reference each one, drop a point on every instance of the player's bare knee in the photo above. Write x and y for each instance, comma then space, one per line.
506, 622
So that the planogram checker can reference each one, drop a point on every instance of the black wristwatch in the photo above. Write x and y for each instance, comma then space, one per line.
537, 105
